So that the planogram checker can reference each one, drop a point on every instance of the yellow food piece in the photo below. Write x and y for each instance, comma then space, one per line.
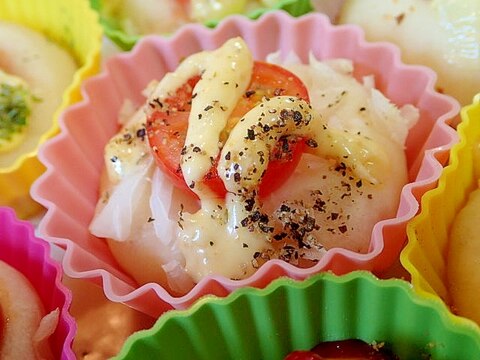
463, 270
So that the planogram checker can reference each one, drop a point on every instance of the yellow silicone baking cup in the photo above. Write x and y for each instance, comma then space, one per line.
424, 256
75, 26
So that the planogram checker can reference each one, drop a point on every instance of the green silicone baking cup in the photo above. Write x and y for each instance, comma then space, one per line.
126, 41
291, 315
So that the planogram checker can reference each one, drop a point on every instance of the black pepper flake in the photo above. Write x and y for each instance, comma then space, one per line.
158, 102
255, 216
263, 218
359, 183
370, 196
343, 228
245, 245
150, 219
284, 114
311, 143
208, 108
227, 156
199, 116
192, 185
363, 108
399, 18
114, 158
266, 229
196, 149
249, 93
211, 243
249, 203
141, 133
250, 134
319, 205
257, 254
297, 117
334, 216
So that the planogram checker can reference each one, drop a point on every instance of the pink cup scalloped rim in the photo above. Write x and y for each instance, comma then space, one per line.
68, 189
30, 255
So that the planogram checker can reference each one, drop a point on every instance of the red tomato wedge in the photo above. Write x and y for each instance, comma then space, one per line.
167, 128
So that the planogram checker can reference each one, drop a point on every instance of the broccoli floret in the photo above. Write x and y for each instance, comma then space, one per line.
14, 110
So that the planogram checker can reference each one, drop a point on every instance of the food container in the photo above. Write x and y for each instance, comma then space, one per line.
73, 25
126, 41
425, 256
74, 159
30, 255
290, 315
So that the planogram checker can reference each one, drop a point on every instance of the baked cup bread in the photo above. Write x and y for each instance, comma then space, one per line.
74, 26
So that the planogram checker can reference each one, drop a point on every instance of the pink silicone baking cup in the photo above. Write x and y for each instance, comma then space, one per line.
74, 159
30, 255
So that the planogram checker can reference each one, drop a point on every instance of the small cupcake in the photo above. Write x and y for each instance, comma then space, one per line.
348, 311
441, 254
47, 50
35, 304
118, 244
126, 21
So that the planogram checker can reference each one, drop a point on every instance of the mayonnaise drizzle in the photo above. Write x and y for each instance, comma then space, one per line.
246, 153
245, 156
226, 73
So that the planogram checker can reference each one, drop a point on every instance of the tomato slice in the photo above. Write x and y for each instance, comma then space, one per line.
167, 128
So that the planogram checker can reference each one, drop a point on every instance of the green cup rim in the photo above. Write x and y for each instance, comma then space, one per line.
127, 42
449, 321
